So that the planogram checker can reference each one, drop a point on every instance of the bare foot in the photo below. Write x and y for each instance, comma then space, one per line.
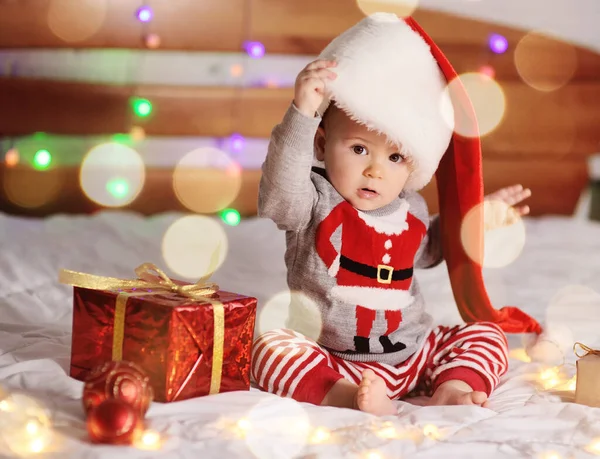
371, 395
456, 392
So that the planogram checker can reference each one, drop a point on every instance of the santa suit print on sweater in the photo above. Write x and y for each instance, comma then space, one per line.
374, 266
350, 272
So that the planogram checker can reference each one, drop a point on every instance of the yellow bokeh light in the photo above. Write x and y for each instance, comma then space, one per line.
503, 239
285, 422
402, 8
236, 70
194, 246
519, 354
137, 133
544, 63
431, 431
320, 435
487, 98
148, 440
550, 455
30, 188
388, 432
573, 314
373, 455
207, 180
11, 158
293, 310
76, 20
594, 446
112, 174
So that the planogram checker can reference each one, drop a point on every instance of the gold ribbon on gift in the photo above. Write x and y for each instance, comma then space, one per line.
578, 347
156, 282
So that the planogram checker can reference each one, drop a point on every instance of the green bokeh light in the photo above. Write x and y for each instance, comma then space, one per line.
42, 159
231, 217
118, 188
142, 107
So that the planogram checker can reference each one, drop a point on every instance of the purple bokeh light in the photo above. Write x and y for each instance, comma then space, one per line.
144, 14
237, 142
255, 49
498, 43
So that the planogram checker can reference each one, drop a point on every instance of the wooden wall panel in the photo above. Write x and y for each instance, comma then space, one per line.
556, 187
42, 193
182, 24
555, 124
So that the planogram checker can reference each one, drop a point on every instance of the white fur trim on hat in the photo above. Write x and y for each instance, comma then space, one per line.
389, 81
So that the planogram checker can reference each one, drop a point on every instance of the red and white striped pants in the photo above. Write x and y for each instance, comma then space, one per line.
289, 364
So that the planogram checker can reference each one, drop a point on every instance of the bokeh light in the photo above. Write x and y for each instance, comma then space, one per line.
137, 133
152, 41
112, 174
76, 20
497, 43
11, 158
194, 246
42, 159
207, 180
544, 63
488, 71
402, 8
574, 314
30, 188
284, 421
231, 217
255, 49
237, 142
487, 98
142, 107
293, 310
24, 425
236, 70
144, 14
503, 239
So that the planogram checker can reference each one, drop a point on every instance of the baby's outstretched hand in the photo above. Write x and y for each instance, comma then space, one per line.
511, 196
500, 207
309, 90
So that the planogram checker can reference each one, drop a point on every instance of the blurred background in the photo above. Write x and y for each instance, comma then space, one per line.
167, 105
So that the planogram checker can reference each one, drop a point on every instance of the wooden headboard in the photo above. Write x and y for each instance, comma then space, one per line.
542, 142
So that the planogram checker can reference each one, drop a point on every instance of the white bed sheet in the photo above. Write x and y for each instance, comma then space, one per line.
558, 271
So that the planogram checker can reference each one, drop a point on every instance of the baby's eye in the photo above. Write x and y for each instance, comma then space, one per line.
396, 158
359, 150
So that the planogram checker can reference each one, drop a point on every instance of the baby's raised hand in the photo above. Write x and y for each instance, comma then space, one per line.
309, 90
512, 195
500, 207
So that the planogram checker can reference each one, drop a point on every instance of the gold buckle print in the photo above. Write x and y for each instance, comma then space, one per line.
388, 279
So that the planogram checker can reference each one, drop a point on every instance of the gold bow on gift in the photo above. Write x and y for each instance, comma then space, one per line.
149, 277
586, 350
153, 281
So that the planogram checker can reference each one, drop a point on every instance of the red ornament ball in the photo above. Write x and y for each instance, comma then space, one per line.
114, 422
118, 380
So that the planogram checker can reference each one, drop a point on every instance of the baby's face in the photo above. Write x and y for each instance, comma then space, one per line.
364, 168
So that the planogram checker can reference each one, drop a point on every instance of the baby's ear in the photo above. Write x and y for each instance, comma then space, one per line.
320, 144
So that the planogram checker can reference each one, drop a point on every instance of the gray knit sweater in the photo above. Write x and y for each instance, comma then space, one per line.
341, 260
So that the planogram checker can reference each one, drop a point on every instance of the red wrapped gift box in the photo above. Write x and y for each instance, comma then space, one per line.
189, 347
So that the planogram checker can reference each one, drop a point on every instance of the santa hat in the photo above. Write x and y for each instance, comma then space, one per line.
393, 79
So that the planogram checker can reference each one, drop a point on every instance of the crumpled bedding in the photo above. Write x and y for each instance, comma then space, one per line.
522, 419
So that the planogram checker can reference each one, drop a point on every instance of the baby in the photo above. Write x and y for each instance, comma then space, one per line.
358, 335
